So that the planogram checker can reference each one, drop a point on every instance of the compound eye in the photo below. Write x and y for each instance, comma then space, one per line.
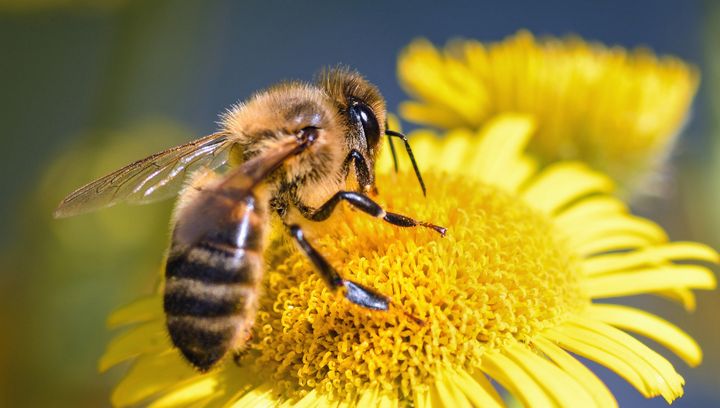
366, 117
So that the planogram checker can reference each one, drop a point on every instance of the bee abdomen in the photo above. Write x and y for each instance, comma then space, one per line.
211, 264
210, 296
189, 297
203, 341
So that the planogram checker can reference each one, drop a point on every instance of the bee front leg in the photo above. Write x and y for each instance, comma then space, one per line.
367, 205
353, 291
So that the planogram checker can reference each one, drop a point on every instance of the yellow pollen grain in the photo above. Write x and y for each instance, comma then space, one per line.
501, 275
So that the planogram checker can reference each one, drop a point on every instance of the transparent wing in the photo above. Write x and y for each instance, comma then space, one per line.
205, 215
152, 178
239, 181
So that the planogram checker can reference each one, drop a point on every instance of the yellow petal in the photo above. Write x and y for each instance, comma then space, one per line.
235, 382
638, 101
393, 122
146, 338
341, 404
456, 145
480, 394
518, 173
424, 144
421, 71
424, 72
564, 389
578, 344
149, 375
473, 88
369, 398
649, 280
600, 393
187, 394
387, 401
141, 310
515, 379
259, 397
421, 398
612, 243
649, 326
562, 183
658, 374
673, 251
501, 141
685, 297
450, 395
311, 399
428, 114
587, 209
420, 68
615, 226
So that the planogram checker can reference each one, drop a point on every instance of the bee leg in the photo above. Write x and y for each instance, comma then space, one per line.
239, 355
353, 291
362, 173
367, 205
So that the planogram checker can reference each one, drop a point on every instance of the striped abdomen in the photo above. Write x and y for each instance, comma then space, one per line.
212, 284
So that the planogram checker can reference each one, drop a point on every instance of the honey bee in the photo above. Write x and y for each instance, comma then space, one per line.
288, 151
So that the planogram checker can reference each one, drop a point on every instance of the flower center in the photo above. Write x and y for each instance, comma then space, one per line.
500, 275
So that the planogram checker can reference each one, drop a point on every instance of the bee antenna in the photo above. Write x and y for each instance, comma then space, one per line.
392, 149
410, 153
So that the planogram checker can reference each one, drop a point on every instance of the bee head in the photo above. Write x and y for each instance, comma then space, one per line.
361, 106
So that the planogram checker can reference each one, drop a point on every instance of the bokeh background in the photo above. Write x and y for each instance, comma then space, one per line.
89, 85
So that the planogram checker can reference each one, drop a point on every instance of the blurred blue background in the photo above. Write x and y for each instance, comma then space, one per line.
91, 85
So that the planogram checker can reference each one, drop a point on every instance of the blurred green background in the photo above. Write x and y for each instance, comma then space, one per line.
88, 86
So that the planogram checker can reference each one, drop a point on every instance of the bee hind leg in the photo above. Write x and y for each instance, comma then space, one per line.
238, 354
353, 291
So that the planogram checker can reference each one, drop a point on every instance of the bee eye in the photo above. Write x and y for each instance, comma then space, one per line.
363, 114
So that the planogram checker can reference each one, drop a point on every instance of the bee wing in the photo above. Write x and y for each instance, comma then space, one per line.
152, 178
205, 215
240, 181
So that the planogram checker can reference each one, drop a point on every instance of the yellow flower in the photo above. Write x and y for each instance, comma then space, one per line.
505, 296
619, 111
